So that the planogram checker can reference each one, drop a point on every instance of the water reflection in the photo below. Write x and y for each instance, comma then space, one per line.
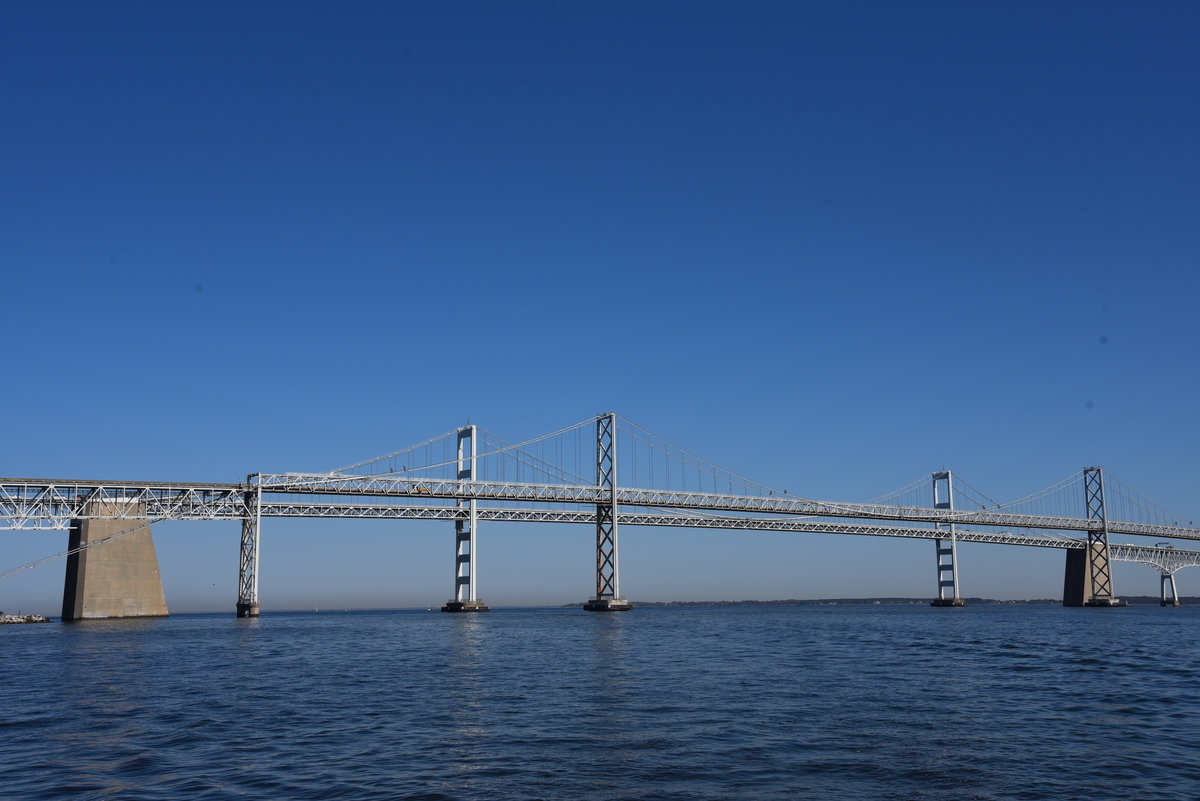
105, 662
113, 625
465, 673
607, 693
464, 690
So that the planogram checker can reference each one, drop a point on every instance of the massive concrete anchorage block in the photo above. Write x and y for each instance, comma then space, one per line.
119, 578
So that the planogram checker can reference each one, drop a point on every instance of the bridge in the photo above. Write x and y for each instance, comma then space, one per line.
468, 476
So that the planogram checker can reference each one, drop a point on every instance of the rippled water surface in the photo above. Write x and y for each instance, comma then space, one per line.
742, 702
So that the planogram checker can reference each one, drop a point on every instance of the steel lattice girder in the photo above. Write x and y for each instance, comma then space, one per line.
37, 504
248, 552
41, 505
606, 556
233, 507
1162, 559
393, 486
1097, 549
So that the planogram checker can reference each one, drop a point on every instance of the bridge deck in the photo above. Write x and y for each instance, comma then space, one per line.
23, 501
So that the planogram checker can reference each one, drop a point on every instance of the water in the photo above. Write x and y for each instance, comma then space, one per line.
742, 702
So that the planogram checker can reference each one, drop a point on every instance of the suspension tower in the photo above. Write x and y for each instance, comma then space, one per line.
608, 581
947, 548
465, 599
1088, 580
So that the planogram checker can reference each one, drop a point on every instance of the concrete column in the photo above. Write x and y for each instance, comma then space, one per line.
1077, 583
1169, 579
118, 578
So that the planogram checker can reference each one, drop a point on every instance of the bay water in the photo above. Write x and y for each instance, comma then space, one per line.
765, 702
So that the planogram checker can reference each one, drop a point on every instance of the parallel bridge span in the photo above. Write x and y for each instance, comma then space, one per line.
786, 505
466, 498
51, 504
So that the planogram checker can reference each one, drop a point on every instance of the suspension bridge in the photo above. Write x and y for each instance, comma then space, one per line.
468, 476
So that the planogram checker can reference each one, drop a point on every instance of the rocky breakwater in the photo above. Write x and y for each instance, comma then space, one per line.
22, 619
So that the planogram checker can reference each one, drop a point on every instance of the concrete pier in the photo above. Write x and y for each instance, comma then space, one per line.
1168, 580
465, 606
608, 605
116, 579
1077, 584
1077, 589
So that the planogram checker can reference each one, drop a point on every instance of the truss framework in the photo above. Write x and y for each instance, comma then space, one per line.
40, 504
247, 603
1099, 571
607, 572
1167, 560
391, 486
33, 504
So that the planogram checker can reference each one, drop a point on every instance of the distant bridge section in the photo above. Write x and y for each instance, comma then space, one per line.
398, 487
466, 477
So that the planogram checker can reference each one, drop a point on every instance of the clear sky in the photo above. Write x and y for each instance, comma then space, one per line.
831, 246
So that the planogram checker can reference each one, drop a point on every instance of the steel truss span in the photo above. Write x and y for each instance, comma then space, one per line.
48, 504
32, 504
1166, 560
461, 486
234, 504
398, 486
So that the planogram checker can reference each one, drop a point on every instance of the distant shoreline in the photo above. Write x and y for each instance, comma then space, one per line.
1132, 599
1135, 600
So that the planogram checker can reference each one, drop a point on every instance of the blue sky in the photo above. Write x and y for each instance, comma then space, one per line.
831, 246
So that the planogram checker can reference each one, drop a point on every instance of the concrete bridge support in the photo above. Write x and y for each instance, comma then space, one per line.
465, 598
114, 579
1077, 588
608, 577
1169, 579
